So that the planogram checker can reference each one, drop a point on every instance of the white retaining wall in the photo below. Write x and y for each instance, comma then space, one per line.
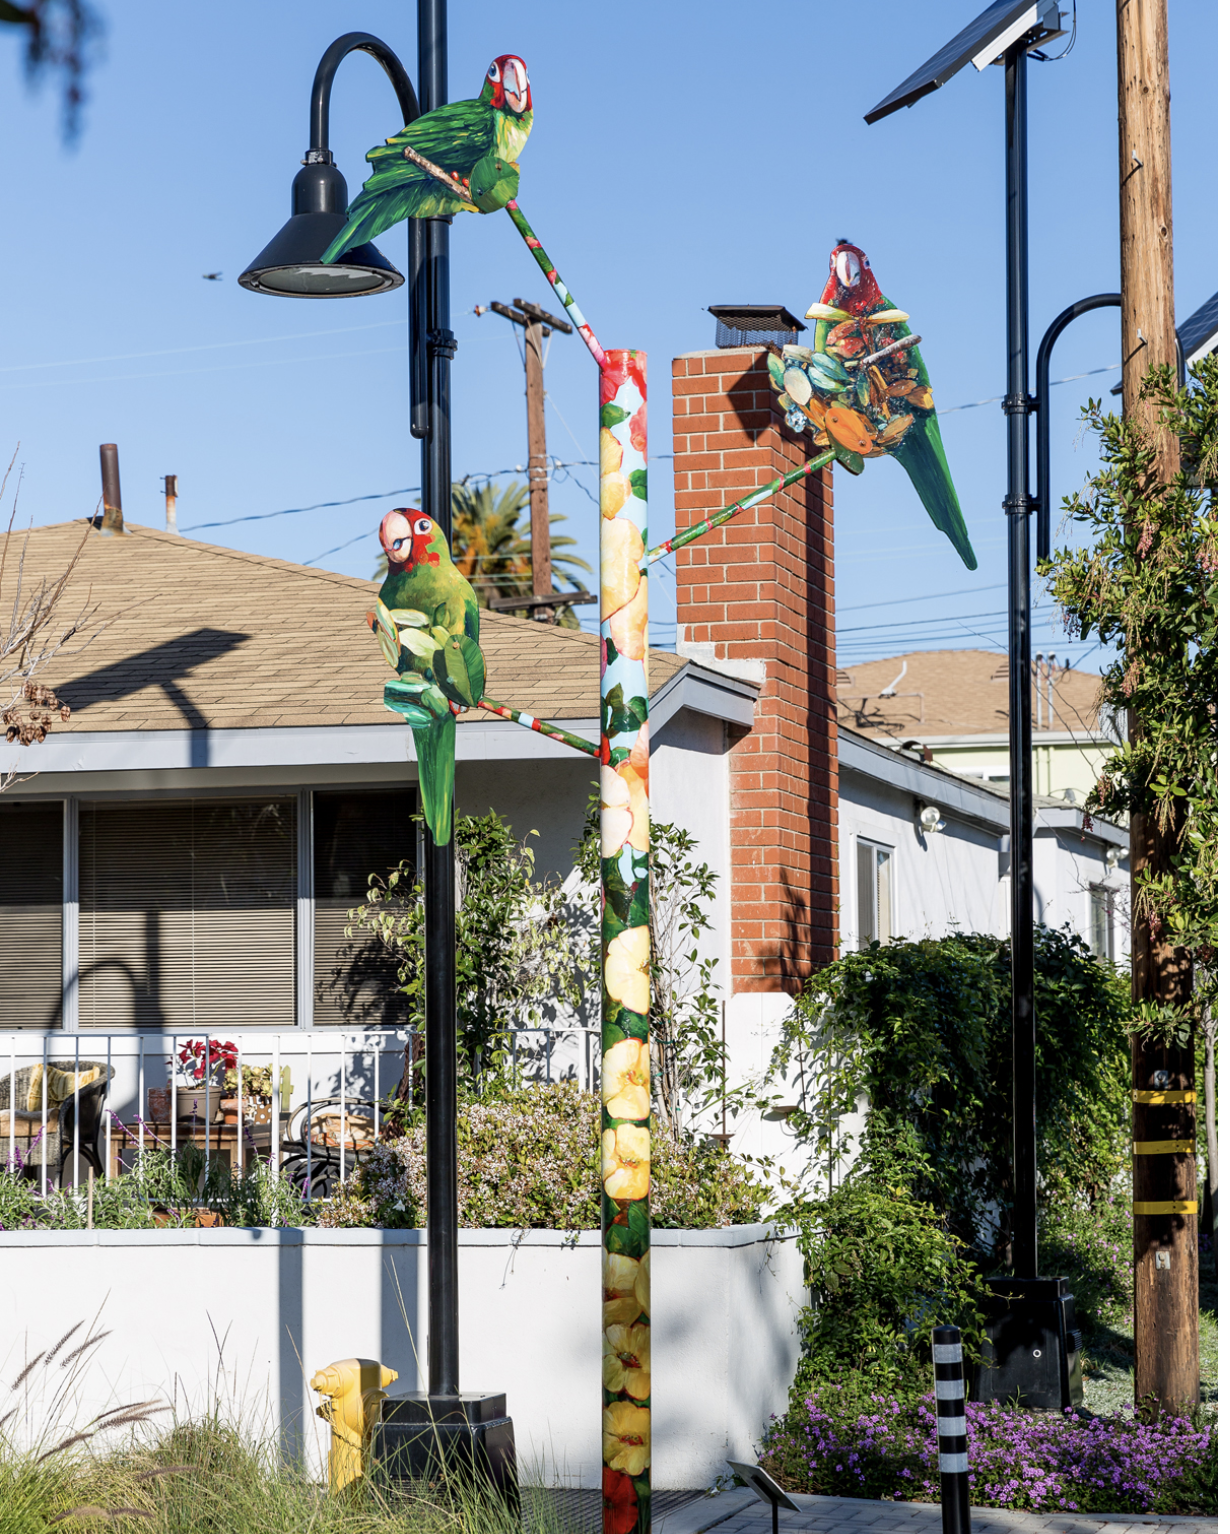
246, 1317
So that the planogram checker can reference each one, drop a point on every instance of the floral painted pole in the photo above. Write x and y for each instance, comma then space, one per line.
624, 795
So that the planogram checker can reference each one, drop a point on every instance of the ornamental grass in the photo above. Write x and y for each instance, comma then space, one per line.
1033, 1461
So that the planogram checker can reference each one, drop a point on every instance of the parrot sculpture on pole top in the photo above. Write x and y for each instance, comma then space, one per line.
863, 391
426, 620
461, 158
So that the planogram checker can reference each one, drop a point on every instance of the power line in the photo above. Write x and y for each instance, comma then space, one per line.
903, 625
209, 346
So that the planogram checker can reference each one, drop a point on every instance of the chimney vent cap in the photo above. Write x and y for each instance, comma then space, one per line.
755, 325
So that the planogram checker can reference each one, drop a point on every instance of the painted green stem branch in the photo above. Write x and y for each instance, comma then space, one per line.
553, 277
691, 534
543, 726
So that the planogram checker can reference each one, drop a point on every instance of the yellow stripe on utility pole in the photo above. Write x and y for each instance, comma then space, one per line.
1163, 1147
1167, 1206
1188, 1096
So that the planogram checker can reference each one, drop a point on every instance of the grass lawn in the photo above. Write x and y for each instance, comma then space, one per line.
1109, 1375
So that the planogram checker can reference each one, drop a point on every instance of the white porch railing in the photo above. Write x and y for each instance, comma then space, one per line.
323, 1107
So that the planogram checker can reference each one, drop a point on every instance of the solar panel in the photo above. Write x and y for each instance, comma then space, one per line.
954, 55
1199, 327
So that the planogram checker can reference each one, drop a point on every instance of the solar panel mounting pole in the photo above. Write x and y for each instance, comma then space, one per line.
1033, 1343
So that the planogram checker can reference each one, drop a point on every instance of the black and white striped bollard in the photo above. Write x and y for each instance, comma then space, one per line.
950, 1427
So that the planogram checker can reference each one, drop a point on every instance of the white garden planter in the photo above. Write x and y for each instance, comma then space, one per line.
246, 1316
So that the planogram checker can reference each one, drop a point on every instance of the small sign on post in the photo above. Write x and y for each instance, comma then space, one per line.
765, 1487
950, 1428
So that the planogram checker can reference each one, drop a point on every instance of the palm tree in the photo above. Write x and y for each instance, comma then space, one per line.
491, 545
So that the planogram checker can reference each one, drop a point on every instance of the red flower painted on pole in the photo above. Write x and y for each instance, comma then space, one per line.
619, 1512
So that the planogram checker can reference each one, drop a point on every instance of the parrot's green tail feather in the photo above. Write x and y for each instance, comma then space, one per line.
922, 457
435, 747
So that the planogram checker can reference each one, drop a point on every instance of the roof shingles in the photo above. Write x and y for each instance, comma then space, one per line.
199, 636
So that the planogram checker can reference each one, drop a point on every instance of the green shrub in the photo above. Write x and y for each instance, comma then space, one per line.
923, 1032
1091, 1242
529, 1159
883, 1271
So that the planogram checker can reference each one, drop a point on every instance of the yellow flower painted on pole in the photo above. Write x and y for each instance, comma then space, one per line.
634, 770
625, 1360
620, 1278
630, 625
625, 1079
640, 1287
625, 1437
627, 969
625, 1162
614, 810
622, 549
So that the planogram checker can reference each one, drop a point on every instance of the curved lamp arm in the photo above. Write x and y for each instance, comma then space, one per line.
1042, 382
322, 85
1042, 403
416, 253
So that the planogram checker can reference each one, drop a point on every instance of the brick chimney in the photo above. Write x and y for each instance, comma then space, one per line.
755, 598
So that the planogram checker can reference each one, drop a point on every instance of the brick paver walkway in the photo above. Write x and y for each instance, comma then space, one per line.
738, 1512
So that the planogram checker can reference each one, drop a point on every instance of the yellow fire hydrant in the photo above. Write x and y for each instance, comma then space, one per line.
355, 1387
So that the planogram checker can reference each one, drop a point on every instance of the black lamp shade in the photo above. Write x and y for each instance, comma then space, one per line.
290, 265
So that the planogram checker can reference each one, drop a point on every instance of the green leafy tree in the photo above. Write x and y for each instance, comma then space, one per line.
1147, 586
518, 961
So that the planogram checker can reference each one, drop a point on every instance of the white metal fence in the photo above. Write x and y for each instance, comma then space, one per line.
308, 1101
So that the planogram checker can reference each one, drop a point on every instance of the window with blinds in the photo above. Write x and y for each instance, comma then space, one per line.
356, 833
875, 893
31, 914
188, 914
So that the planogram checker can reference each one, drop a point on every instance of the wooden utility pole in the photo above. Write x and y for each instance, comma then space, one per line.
536, 423
1165, 1245
532, 319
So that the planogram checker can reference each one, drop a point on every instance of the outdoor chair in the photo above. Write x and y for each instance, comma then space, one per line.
329, 1136
33, 1149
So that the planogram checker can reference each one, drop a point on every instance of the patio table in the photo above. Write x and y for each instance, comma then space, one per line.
221, 1140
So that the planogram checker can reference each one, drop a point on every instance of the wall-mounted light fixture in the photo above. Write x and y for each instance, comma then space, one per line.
930, 819
1115, 856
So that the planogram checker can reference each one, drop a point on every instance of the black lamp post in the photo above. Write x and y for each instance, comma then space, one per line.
416, 1430
1034, 1349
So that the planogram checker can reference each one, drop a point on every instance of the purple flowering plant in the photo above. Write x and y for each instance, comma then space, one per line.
1034, 1461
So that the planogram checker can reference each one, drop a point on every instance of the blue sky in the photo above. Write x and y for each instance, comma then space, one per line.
681, 156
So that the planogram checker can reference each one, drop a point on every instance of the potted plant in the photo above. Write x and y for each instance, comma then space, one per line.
257, 1095
200, 1067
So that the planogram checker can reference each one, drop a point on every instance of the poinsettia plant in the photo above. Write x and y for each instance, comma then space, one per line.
201, 1061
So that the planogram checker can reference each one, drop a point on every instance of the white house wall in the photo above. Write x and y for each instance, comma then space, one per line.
941, 882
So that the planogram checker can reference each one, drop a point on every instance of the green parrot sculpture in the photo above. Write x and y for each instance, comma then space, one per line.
476, 142
861, 396
426, 619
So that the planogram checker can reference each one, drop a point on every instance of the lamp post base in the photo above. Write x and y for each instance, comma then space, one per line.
422, 1437
1032, 1355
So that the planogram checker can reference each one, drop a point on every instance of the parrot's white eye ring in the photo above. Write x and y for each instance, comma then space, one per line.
494, 72
422, 527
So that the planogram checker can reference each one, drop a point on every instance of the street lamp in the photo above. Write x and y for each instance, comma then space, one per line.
416, 1431
290, 265
1034, 1345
